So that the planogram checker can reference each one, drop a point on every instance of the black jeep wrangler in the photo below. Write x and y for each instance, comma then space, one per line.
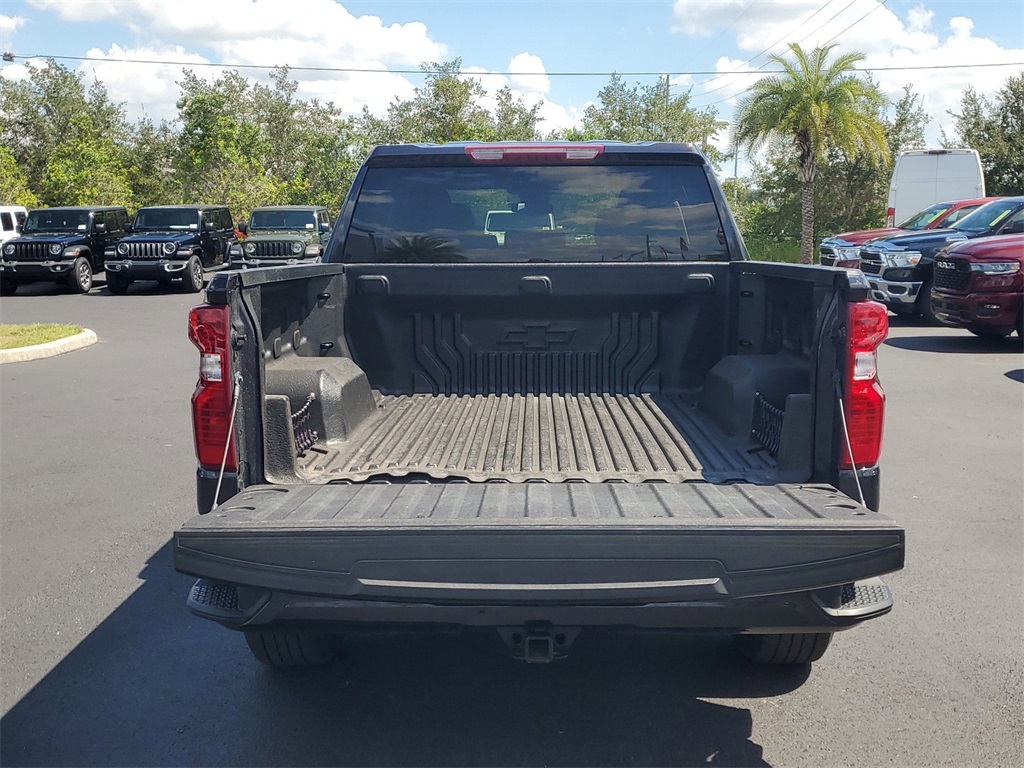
171, 241
283, 234
61, 245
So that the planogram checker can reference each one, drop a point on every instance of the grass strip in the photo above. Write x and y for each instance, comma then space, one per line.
28, 335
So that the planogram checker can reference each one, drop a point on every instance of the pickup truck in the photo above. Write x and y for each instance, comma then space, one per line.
899, 267
843, 250
621, 422
979, 285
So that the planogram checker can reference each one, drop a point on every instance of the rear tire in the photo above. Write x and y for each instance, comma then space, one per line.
80, 277
924, 303
117, 284
797, 648
283, 649
192, 280
8, 286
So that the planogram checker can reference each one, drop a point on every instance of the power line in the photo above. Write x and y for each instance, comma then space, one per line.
812, 32
761, 53
379, 71
858, 21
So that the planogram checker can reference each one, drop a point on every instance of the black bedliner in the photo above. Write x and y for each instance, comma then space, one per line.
555, 438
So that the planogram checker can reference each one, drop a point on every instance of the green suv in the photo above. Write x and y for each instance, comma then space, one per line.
283, 234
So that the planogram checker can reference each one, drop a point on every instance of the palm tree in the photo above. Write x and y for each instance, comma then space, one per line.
820, 105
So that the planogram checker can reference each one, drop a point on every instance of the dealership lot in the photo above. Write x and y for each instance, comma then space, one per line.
102, 665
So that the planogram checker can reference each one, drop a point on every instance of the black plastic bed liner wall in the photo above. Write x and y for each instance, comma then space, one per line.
555, 438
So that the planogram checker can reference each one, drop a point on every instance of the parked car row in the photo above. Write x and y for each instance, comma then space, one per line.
965, 272
162, 243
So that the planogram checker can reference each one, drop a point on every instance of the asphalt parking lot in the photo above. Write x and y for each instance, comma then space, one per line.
101, 664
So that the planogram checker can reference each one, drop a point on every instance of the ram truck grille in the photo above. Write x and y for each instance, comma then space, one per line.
955, 277
871, 263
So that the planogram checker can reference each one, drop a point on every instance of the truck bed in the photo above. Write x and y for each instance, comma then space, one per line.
554, 438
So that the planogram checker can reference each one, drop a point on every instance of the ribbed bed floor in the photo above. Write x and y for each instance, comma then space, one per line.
517, 438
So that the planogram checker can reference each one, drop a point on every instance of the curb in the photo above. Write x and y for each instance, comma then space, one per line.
50, 349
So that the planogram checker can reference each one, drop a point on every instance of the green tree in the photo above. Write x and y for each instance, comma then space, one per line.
149, 165
513, 119
996, 130
331, 152
14, 187
849, 193
51, 108
818, 105
449, 108
648, 113
85, 170
223, 146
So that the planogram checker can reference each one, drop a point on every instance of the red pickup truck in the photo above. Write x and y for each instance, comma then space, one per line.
979, 285
843, 250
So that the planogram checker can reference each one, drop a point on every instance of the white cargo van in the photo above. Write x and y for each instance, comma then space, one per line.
11, 219
923, 177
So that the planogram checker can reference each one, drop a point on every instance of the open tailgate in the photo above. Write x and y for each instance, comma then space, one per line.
539, 542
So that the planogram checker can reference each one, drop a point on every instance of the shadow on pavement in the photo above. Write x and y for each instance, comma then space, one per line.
1017, 375
907, 321
966, 344
100, 290
153, 685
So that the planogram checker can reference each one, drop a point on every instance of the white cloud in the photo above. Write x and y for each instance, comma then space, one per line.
530, 73
311, 33
19, 71
702, 18
148, 90
532, 88
81, 10
920, 39
314, 34
10, 23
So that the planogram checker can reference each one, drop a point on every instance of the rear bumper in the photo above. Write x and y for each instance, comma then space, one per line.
981, 310
824, 610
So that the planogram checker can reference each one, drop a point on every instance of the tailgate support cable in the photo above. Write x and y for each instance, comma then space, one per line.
846, 437
227, 443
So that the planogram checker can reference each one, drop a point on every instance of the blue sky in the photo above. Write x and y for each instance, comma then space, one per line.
493, 39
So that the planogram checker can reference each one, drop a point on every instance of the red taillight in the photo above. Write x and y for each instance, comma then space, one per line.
890, 217
864, 401
208, 329
537, 153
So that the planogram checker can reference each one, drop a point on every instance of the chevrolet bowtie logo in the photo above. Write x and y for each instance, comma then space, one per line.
537, 336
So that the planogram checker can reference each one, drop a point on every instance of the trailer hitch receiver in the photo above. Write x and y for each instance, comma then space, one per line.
538, 643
